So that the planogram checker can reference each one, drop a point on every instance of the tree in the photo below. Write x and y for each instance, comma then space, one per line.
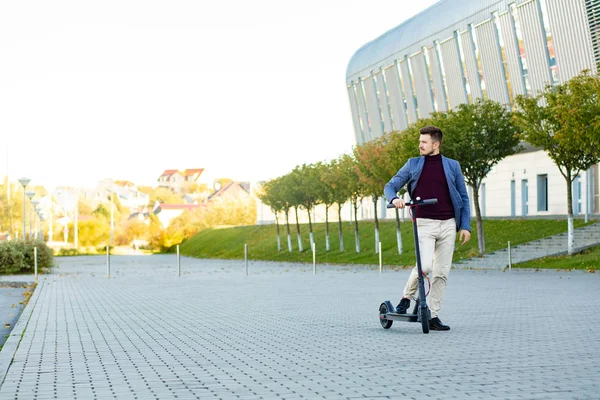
162, 195
356, 190
309, 193
373, 172
294, 194
339, 185
565, 121
478, 136
326, 196
268, 195
281, 187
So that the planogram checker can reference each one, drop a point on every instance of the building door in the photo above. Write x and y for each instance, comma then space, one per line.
576, 194
524, 197
595, 189
513, 198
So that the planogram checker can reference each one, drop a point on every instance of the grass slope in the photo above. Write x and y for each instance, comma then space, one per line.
228, 243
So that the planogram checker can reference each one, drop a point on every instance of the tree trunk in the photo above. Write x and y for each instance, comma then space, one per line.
478, 220
310, 231
300, 248
278, 236
570, 234
327, 248
398, 232
375, 198
287, 224
356, 238
340, 228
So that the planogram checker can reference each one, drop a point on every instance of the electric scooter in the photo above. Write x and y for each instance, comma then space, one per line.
387, 312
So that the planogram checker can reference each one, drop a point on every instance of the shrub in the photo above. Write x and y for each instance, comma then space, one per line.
16, 256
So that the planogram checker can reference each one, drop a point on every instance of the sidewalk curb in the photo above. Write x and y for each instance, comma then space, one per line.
12, 343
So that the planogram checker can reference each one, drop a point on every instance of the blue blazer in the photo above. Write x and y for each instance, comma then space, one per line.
409, 175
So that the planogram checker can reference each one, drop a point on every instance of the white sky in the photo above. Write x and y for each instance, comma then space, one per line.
125, 89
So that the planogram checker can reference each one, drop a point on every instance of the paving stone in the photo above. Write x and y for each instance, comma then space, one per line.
216, 333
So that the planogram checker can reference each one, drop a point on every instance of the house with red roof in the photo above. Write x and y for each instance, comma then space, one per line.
176, 180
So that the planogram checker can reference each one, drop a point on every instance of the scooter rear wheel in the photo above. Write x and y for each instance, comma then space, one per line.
385, 323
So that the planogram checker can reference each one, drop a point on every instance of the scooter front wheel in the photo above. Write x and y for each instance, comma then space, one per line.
383, 310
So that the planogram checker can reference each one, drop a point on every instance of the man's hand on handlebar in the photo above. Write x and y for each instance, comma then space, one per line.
398, 203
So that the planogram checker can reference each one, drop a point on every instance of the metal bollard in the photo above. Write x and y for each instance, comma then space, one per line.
246, 257
178, 262
314, 251
35, 263
108, 261
509, 257
380, 259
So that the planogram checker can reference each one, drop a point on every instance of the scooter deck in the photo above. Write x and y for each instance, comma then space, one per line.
400, 317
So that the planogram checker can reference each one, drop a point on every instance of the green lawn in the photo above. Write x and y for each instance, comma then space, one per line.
228, 243
587, 260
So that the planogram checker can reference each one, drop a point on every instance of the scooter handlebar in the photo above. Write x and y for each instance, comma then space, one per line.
415, 202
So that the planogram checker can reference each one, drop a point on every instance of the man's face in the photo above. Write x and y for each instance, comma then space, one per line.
427, 146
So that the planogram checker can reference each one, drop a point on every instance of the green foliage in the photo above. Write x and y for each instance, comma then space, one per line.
17, 256
131, 230
161, 194
565, 121
102, 211
586, 260
92, 232
219, 212
479, 135
12, 261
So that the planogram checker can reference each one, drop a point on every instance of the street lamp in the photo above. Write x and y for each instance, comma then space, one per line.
24, 182
30, 194
32, 233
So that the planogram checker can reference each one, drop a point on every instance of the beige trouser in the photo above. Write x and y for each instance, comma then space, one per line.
436, 242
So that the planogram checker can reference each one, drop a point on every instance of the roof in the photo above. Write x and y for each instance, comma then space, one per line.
438, 22
169, 172
245, 186
193, 171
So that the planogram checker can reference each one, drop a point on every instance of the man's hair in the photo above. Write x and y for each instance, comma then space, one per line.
435, 132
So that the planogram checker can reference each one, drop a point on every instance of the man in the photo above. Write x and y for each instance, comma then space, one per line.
433, 176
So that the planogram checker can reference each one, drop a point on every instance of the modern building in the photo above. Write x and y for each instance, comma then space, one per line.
457, 51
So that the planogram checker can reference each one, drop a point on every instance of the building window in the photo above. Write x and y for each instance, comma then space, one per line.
429, 78
542, 192
593, 13
438, 53
519, 34
576, 195
524, 197
478, 60
463, 66
549, 43
595, 188
513, 200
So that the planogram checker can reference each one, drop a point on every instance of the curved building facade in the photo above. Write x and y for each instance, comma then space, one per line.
459, 50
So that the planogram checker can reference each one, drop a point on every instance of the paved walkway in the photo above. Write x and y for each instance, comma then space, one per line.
284, 333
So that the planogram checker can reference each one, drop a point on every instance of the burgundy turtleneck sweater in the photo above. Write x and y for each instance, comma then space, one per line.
432, 184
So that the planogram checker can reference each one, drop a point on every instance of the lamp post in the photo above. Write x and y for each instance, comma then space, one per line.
76, 233
24, 182
112, 216
32, 233
30, 194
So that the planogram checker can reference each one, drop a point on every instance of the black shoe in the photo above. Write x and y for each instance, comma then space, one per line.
436, 325
402, 306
